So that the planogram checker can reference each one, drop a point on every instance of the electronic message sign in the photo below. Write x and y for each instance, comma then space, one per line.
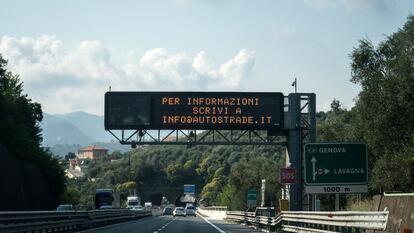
194, 110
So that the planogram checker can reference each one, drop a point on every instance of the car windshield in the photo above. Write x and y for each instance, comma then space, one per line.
179, 208
133, 203
190, 208
65, 207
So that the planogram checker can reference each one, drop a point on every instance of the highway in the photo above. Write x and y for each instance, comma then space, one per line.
161, 224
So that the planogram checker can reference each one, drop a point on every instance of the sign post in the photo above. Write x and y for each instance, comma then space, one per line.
336, 168
263, 189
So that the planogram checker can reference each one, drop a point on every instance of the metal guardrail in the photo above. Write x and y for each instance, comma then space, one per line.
398, 194
63, 221
318, 222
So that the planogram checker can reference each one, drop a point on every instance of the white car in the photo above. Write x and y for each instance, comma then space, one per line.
139, 207
179, 211
190, 210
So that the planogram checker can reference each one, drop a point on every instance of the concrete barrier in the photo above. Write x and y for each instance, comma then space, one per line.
401, 208
213, 212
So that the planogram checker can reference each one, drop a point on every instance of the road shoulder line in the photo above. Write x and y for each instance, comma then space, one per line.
216, 227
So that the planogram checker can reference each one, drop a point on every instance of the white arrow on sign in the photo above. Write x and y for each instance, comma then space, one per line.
326, 171
313, 160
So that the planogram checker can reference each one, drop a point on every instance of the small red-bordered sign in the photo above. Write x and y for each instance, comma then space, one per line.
287, 176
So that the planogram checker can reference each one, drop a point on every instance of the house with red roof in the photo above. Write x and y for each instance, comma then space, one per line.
91, 152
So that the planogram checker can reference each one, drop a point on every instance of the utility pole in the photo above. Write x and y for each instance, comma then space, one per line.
295, 84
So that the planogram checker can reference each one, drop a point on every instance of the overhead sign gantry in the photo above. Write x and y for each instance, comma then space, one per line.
226, 118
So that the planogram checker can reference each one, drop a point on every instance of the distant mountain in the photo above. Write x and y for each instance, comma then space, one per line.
91, 125
64, 133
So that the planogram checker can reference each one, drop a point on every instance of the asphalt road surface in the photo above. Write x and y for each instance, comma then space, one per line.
165, 224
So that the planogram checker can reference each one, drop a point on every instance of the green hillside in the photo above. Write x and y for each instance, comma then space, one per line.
219, 172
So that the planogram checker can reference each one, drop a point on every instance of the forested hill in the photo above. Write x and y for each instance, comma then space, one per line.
220, 173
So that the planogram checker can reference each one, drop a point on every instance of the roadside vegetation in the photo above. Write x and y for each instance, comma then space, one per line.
20, 133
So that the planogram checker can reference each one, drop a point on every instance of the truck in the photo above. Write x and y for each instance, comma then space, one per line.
148, 205
106, 198
134, 202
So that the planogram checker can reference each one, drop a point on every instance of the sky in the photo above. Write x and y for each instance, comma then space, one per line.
68, 53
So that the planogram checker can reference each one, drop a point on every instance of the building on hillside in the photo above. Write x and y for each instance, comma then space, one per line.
91, 152
73, 163
74, 171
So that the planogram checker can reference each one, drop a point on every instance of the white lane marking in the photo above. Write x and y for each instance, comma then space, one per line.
217, 228
165, 225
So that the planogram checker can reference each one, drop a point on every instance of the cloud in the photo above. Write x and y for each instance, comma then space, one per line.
232, 72
72, 76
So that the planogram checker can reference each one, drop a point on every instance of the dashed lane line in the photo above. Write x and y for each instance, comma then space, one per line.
165, 225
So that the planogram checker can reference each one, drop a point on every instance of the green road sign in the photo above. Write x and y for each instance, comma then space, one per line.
251, 195
336, 164
251, 198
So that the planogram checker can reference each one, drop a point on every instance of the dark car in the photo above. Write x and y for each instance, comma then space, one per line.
167, 211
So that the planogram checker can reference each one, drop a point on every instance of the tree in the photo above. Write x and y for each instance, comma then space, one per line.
385, 106
336, 125
128, 187
212, 189
70, 196
20, 130
248, 174
70, 155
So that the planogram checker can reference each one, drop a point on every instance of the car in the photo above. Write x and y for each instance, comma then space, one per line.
139, 207
190, 210
64, 207
106, 207
179, 211
167, 211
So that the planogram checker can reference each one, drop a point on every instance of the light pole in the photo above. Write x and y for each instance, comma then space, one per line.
295, 84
